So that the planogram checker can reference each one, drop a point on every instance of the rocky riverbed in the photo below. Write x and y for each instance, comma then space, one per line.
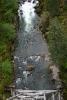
31, 54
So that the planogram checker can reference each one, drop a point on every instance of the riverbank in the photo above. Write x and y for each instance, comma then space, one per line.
54, 28
8, 11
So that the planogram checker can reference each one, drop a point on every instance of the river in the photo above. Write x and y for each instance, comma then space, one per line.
31, 63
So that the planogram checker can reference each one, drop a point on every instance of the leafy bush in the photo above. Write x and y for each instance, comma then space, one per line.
9, 15
6, 67
7, 31
53, 7
8, 12
5, 76
3, 47
8, 9
6, 71
57, 42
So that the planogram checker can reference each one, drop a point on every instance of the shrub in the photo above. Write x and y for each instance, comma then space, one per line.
3, 47
7, 31
6, 71
57, 42
53, 7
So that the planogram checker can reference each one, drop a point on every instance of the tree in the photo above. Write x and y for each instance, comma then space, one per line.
8, 13
57, 42
53, 7
8, 10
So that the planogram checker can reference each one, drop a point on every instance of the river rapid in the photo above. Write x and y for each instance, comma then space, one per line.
30, 57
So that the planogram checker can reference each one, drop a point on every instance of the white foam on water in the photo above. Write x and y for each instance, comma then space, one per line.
18, 80
24, 62
15, 57
26, 73
20, 68
35, 58
28, 10
32, 57
38, 58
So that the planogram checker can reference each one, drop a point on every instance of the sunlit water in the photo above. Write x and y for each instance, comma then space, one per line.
30, 51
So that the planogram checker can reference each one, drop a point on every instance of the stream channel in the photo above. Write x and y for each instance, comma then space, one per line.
31, 64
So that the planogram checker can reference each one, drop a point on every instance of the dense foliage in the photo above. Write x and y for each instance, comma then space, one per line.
57, 39
42, 6
8, 12
55, 32
53, 7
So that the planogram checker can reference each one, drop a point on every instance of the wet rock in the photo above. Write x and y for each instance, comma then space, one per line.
29, 0
54, 70
21, 12
26, 73
43, 76
59, 86
30, 68
16, 58
47, 58
12, 61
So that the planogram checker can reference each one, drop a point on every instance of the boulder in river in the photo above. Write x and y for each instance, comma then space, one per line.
21, 12
54, 70
30, 67
29, 0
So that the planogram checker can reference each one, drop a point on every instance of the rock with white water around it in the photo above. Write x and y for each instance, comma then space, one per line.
26, 73
16, 58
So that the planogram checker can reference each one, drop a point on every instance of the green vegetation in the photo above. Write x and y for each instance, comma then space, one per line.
57, 40
8, 12
54, 27
53, 7
7, 31
42, 6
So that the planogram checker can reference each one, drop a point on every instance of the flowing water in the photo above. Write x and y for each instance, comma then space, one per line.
31, 64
